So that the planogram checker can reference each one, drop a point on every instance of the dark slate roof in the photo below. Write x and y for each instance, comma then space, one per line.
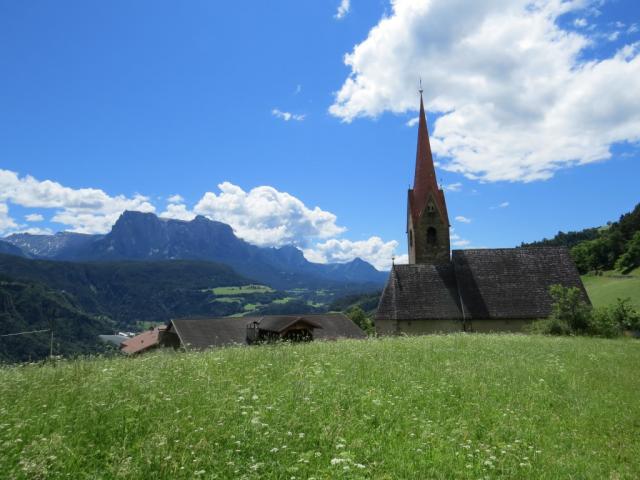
420, 291
505, 283
279, 324
512, 282
201, 333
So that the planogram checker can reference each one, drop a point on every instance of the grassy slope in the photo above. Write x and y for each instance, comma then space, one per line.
458, 406
607, 288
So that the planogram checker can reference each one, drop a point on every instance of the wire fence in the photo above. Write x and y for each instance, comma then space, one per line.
46, 330
24, 333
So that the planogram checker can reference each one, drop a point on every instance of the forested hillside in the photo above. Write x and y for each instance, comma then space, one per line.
130, 292
613, 246
31, 306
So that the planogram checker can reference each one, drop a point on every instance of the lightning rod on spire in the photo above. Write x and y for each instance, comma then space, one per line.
420, 89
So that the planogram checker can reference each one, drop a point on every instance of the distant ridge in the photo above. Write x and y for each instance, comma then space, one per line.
145, 236
7, 248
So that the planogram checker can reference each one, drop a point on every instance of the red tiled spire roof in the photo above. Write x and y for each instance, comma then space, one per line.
424, 182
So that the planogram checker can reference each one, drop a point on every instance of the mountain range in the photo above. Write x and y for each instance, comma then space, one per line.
145, 236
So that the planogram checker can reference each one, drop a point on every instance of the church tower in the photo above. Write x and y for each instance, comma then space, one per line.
427, 218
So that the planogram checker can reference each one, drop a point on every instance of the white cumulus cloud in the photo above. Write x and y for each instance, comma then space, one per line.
502, 205
462, 219
457, 241
453, 187
516, 96
412, 122
178, 211
34, 217
286, 116
175, 199
374, 250
6, 222
343, 9
266, 216
84, 210
580, 22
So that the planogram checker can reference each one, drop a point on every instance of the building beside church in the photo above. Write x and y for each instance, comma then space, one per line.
477, 290
202, 333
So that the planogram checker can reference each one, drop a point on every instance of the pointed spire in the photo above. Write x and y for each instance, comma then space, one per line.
425, 181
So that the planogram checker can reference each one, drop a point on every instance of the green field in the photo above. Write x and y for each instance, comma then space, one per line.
242, 290
605, 289
458, 406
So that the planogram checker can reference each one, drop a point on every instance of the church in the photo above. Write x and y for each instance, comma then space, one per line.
475, 290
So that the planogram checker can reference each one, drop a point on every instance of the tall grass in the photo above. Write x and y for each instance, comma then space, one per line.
458, 406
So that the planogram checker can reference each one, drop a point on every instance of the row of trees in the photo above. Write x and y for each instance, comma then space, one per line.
609, 251
617, 246
614, 246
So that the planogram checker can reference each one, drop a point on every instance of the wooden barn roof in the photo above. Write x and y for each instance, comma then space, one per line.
201, 333
279, 324
507, 283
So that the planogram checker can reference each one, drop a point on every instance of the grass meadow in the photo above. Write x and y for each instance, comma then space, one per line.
457, 406
605, 289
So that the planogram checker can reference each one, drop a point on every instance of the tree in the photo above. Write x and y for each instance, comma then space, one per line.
630, 259
357, 316
625, 315
582, 257
570, 308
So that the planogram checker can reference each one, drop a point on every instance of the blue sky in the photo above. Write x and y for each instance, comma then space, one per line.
533, 109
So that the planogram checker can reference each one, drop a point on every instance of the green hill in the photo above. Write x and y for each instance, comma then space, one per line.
30, 306
606, 288
612, 246
457, 406
128, 292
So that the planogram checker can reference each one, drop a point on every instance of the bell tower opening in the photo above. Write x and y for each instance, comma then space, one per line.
432, 236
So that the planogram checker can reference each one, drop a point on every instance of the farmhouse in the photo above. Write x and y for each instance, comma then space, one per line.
472, 290
203, 333
143, 342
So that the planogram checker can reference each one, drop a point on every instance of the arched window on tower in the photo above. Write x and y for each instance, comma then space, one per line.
431, 208
432, 236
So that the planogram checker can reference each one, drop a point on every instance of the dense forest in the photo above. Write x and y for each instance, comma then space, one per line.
613, 246
33, 307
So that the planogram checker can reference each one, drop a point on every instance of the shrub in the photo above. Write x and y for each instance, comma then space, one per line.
357, 316
569, 308
625, 315
550, 326
603, 324
573, 316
